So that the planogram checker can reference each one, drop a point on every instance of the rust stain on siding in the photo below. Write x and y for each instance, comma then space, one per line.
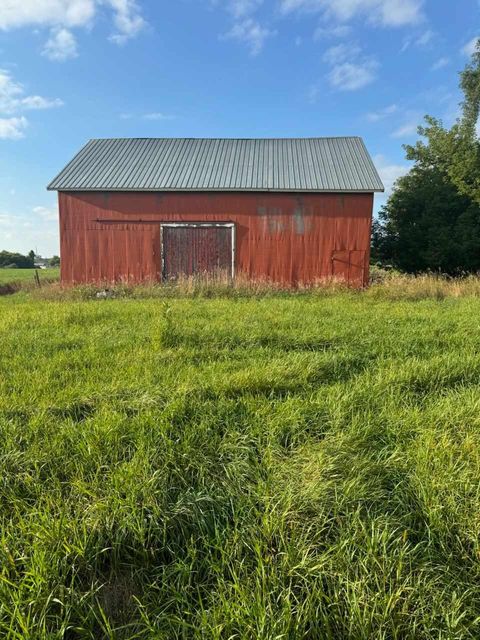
298, 216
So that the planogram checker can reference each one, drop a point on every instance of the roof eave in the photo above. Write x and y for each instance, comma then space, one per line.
252, 190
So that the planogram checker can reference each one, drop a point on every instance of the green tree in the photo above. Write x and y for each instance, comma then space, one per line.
455, 151
428, 225
432, 219
16, 260
54, 261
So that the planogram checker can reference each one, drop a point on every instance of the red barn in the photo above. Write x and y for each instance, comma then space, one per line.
286, 210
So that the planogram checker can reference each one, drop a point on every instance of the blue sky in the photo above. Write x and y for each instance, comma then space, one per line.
71, 70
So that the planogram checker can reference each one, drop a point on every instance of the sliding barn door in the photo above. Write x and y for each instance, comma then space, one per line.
189, 250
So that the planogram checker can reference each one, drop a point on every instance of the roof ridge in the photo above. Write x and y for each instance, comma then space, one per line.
235, 139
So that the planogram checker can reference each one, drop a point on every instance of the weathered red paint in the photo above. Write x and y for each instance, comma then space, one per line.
283, 237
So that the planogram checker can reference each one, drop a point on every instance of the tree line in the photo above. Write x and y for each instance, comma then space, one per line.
432, 219
12, 260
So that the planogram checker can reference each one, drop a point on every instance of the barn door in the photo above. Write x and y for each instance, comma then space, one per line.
349, 266
191, 249
356, 273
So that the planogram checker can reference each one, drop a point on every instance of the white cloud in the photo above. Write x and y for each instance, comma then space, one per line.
340, 53
158, 116
127, 19
350, 76
38, 102
422, 40
46, 213
13, 98
389, 173
313, 93
246, 29
61, 45
338, 31
8, 223
388, 13
61, 16
32, 229
242, 8
5, 220
154, 115
440, 63
468, 48
425, 38
238, 8
350, 69
381, 114
406, 130
46, 13
251, 33
398, 13
13, 128
10, 92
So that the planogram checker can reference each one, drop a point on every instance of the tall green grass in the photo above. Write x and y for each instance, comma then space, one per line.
269, 466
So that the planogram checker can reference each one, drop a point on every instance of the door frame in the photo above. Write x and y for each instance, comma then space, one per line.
228, 225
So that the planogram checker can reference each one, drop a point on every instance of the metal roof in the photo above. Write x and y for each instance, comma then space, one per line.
204, 164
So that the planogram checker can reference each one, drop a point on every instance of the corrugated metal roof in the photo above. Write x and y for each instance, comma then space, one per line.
204, 164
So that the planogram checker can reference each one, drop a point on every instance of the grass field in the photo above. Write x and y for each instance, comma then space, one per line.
273, 467
27, 275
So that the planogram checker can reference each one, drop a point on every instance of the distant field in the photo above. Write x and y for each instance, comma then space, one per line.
291, 466
15, 275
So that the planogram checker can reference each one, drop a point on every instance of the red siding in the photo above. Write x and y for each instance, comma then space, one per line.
284, 237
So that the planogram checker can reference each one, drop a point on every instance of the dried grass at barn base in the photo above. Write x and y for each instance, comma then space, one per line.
389, 285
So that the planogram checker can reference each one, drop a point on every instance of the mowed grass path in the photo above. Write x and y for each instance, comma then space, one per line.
278, 467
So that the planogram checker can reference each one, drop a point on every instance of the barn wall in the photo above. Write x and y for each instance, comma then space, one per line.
285, 237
